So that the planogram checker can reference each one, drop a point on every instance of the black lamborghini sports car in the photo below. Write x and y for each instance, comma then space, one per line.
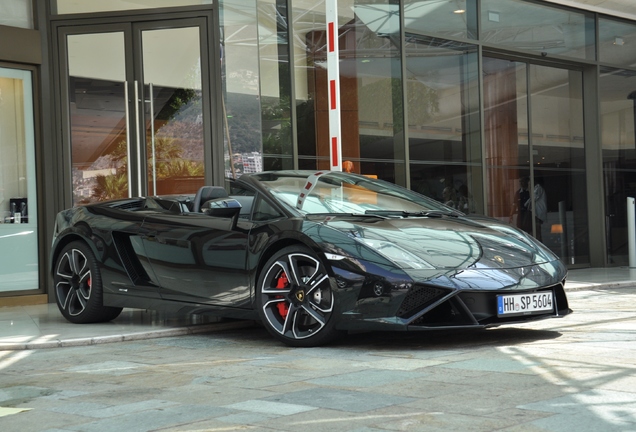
309, 254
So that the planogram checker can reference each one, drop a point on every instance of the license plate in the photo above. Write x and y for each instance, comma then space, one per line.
522, 304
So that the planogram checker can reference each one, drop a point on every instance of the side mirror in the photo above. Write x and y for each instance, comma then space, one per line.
222, 207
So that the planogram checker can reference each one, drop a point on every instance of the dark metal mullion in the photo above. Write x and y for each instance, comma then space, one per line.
292, 80
530, 148
405, 106
137, 96
215, 148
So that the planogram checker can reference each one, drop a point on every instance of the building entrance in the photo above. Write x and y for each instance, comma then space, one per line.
535, 153
137, 107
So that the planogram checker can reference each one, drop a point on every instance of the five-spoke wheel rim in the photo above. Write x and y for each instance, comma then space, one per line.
73, 286
296, 296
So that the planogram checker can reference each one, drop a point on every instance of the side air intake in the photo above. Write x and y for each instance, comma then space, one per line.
129, 260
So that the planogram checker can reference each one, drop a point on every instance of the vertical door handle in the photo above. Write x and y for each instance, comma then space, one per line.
152, 138
137, 139
128, 145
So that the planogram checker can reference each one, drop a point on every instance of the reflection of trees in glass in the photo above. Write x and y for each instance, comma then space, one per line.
276, 117
115, 185
423, 102
179, 168
170, 161
170, 164
179, 99
111, 187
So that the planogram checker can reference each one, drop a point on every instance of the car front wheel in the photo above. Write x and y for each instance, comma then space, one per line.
295, 298
78, 286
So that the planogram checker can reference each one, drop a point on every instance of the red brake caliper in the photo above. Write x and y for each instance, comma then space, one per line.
283, 307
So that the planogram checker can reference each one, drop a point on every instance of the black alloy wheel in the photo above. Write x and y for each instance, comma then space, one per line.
78, 286
295, 298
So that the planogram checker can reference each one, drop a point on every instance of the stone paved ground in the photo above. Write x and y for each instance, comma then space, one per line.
571, 374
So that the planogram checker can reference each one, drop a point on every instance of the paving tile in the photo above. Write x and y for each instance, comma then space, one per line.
440, 421
107, 368
423, 388
65, 394
246, 418
37, 421
399, 364
195, 342
86, 409
153, 419
268, 407
320, 420
583, 422
614, 408
490, 364
213, 395
123, 409
368, 378
262, 379
340, 399
21, 394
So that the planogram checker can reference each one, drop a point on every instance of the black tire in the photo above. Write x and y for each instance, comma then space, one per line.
78, 286
295, 298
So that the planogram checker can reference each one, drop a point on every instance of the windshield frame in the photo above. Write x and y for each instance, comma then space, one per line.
333, 192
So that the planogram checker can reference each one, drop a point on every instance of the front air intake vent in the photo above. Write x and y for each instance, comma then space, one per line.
419, 297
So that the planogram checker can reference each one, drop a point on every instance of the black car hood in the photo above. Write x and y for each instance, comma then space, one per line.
449, 242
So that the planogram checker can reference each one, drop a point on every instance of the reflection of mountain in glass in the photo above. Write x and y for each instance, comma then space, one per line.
244, 122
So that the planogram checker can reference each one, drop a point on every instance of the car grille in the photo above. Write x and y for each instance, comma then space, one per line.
419, 297
479, 308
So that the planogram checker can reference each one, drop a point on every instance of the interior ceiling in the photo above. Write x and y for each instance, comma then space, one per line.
622, 8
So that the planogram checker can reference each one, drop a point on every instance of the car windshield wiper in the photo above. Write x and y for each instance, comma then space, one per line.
405, 214
364, 215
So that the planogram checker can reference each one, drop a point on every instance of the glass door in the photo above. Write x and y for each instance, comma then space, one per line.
557, 144
136, 108
173, 108
18, 192
535, 153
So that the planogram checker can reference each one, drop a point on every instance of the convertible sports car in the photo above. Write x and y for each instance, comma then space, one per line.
309, 254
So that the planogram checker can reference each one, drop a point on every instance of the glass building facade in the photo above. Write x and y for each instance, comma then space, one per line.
521, 110
479, 104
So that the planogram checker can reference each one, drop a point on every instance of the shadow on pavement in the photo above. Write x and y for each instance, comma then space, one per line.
436, 339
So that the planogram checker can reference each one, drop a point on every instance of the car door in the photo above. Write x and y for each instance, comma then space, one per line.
198, 258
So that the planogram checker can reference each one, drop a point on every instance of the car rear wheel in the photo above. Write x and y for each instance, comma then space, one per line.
78, 286
295, 298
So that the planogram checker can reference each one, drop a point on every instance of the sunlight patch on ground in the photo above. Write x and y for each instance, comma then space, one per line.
8, 411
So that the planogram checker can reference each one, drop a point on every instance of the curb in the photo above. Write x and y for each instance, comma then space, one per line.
170, 332
582, 286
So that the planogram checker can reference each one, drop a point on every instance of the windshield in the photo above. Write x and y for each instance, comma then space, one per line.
336, 192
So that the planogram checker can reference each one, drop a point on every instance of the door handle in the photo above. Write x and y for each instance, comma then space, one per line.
128, 146
137, 138
152, 138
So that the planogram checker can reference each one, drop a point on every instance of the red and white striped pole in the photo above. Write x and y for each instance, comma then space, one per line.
333, 77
